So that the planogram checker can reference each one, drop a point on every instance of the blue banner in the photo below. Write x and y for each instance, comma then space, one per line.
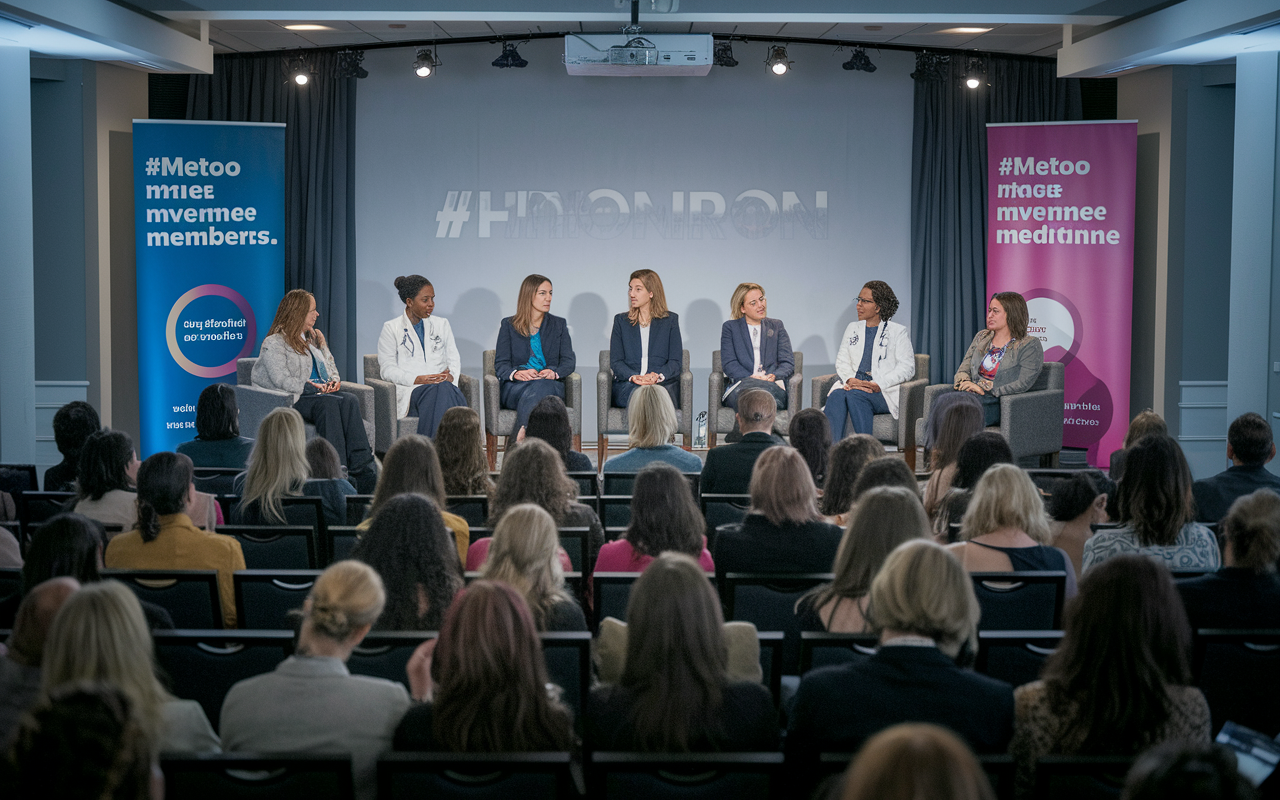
209, 223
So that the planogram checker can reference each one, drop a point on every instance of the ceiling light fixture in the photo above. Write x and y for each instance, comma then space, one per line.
510, 57
298, 69
723, 55
965, 30
308, 27
777, 60
859, 60
426, 63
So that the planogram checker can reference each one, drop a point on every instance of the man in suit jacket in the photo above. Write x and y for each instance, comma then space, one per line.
728, 467
1249, 446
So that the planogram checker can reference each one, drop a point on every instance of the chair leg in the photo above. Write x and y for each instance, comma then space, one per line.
911, 458
602, 447
711, 438
491, 450
577, 442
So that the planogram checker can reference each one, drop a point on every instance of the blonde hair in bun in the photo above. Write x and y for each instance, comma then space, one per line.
347, 596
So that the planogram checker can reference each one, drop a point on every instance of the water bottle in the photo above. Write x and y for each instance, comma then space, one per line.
700, 438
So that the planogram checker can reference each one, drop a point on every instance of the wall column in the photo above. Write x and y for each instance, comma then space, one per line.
17, 262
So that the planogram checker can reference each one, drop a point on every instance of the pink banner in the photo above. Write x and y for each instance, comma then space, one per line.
1060, 232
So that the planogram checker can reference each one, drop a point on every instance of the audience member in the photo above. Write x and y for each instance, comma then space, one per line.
651, 422
883, 518
664, 517
411, 467
1245, 593
1078, 503
848, 457
976, 455
1145, 424
728, 467
1250, 447
310, 703
105, 478
933, 422
675, 695
278, 468
73, 424
782, 531
20, 665
1118, 682
322, 460
1156, 511
915, 761
218, 442
810, 434
925, 612
955, 425
525, 553
101, 635
483, 683
549, 421
165, 537
1005, 528
1187, 771
885, 471
413, 552
462, 458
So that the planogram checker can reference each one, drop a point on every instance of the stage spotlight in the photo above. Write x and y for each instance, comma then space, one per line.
859, 60
426, 63
974, 73
931, 66
298, 69
723, 56
349, 64
777, 60
510, 57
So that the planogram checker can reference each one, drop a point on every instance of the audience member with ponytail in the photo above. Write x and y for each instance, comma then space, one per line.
105, 479
165, 537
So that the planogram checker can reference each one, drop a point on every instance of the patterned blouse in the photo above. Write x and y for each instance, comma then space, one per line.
990, 365
1195, 548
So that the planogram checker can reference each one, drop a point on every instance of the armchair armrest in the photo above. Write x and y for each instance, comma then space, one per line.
820, 386
910, 409
1032, 422
384, 413
471, 391
364, 394
686, 407
604, 396
573, 399
491, 388
255, 403
715, 390
795, 391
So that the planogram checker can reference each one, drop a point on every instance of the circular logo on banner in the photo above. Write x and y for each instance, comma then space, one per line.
218, 331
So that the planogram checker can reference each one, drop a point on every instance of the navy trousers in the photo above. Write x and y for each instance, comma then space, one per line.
337, 418
860, 406
747, 384
428, 403
622, 392
524, 395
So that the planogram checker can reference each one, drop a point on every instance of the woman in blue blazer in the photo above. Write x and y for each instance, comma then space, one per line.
755, 351
645, 347
534, 352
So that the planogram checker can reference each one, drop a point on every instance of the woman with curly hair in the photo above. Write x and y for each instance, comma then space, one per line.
411, 467
462, 458
664, 517
875, 356
525, 553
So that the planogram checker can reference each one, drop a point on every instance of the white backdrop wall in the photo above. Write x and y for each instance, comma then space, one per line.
477, 177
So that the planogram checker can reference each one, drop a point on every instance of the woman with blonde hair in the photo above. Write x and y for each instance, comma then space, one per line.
534, 352
651, 422
1006, 529
882, 519
525, 553
278, 468
295, 359
411, 467
100, 634
645, 348
925, 612
782, 531
462, 459
310, 703
755, 350
911, 761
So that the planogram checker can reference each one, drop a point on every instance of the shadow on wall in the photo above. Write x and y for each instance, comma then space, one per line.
475, 318
374, 300
590, 324
847, 316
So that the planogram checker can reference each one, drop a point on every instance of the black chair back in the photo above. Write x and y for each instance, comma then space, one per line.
1020, 601
358, 507
264, 597
275, 546
474, 776
204, 665
16, 478
615, 509
340, 540
1237, 671
768, 601
10, 595
588, 484
688, 776
474, 508
1081, 777
568, 658
293, 776
820, 649
722, 509
189, 595
574, 541
611, 592
36, 507
479, 532
1015, 657
216, 480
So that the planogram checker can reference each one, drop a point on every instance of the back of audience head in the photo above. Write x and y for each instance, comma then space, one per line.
1086, 491
922, 590
1145, 424
885, 471
107, 463
1005, 498
664, 515
532, 472
782, 488
882, 519
410, 466
278, 464
525, 553
164, 488
676, 654
1251, 532
217, 415
322, 460
757, 411
1187, 771
68, 544
844, 465
462, 459
409, 546
35, 617
549, 421
84, 739
810, 434
651, 416
958, 423
490, 677
912, 761
977, 454
1154, 494
73, 424
344, 603
1250, 441
1125, 635
941, 405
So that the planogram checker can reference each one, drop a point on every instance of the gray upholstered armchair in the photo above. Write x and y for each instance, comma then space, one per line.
720, 416
901, 431
389, 424
500, 421
256, 402
1031, 421
611, 419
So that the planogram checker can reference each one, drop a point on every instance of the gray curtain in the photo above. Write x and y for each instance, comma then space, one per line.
319, 173
949, 190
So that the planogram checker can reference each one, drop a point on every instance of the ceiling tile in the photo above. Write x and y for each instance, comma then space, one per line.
376, 26
937, 40
809, 30
406, 36
229, 41
465, 28
858, 31
758, 29
665, 27
273, 41
331, 39
515, 27
255, 25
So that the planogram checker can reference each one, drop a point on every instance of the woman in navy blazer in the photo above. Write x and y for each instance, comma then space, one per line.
645, 347
743, 371
534, 352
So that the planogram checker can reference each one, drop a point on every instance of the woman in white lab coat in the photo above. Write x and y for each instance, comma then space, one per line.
417, 353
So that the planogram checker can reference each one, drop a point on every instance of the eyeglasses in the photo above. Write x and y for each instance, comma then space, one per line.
860, 301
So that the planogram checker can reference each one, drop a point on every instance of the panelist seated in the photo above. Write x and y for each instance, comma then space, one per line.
755, 351
534, 352
417, 353
645, 347
875, 356
1002, 359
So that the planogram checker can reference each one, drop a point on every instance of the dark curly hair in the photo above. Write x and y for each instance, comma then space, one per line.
72, 425
533, 473
883, 297
408, 286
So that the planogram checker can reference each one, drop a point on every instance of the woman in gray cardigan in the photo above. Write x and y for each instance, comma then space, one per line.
1002, 359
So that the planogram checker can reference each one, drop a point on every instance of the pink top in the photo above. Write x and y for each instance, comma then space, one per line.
620, 556
479, 551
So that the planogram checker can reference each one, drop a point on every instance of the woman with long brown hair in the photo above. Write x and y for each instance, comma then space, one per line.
462, 459
1003, 358
645, 347
295, 358
534, 352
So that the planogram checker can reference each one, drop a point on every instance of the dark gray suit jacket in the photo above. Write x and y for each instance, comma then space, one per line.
728, 467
